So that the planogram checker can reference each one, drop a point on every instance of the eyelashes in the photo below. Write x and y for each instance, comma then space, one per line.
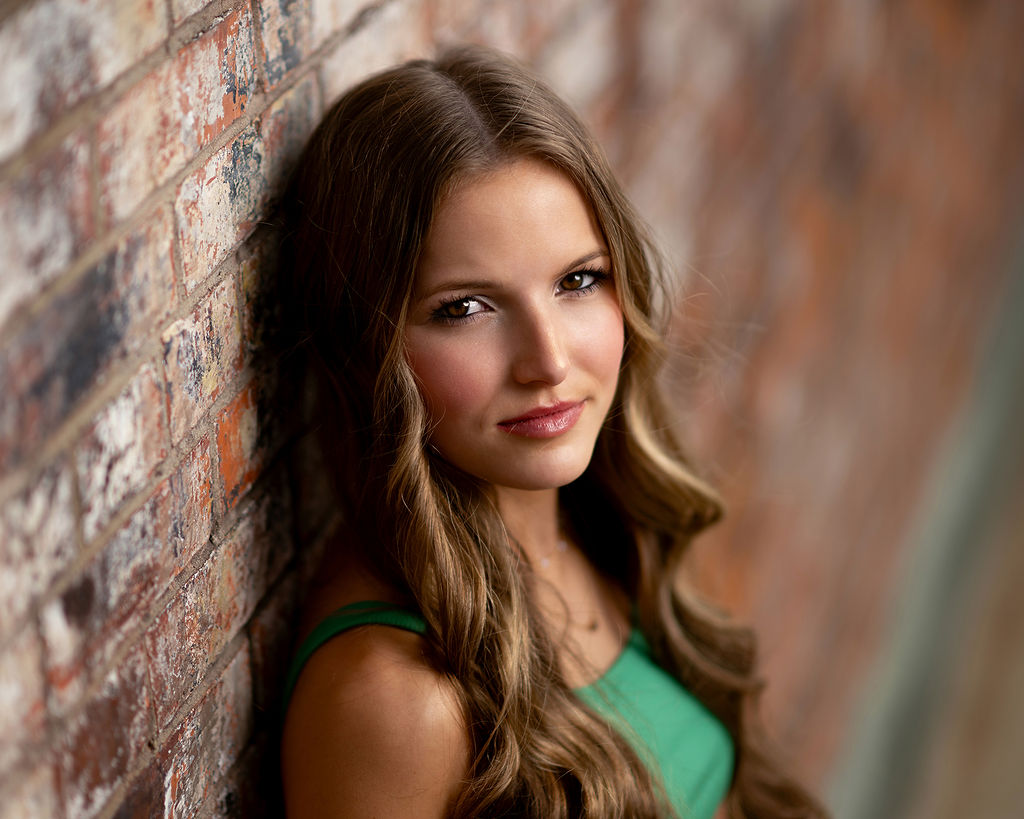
467, 308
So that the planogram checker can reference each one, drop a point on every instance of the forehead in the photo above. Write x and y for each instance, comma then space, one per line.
526, 216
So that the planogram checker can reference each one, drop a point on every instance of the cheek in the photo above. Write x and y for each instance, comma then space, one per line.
452, 379
604, 339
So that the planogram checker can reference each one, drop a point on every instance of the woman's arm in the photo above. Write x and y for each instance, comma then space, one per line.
373, 731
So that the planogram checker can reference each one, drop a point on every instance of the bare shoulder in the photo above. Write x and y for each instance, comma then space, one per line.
373, 730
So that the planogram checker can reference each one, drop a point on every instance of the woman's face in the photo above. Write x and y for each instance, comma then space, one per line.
514, 332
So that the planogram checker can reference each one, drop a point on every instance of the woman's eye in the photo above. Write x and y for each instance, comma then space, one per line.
458, 309
581, 280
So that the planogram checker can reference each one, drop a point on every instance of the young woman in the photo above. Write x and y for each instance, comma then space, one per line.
500, 630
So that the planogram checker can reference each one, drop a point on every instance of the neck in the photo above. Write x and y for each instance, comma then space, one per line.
532, 519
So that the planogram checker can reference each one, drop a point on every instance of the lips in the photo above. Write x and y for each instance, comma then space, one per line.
545, 422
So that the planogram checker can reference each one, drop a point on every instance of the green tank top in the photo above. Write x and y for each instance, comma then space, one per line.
679, 739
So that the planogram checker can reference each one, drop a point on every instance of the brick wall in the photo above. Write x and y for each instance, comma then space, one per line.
152, 544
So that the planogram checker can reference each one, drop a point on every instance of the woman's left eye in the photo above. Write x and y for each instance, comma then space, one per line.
582, 280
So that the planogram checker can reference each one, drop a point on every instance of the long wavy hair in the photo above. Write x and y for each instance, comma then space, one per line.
357, 212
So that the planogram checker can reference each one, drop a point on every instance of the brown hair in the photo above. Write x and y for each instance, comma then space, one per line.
357, 213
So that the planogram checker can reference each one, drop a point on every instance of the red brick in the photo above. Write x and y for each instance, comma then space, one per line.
192, 511
99, 610
22, 706
209, 740
219, 205
258, 308
202, 354
285, 35
174, 112
104, 316
392, 34
241, 447
45, 222
90, 620
106, 740
31, 795
127, 441
284, 129
211, 608
55, 53
37, 533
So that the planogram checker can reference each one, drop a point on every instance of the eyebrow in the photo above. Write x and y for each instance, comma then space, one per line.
484, 284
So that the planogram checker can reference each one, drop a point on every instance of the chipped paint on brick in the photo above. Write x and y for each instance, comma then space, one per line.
104, 741
209, 740
219, 204
104, 316
202, 354
284, 129
211, 608
127, 441
392, 34
285, 27
192, 510
330, 16
90, 620
239, 446
36, 542
45, 222
54, 53
175, 111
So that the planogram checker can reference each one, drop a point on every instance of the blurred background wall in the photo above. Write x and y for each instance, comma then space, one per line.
839, 189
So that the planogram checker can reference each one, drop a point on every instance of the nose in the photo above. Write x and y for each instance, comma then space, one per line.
541, 349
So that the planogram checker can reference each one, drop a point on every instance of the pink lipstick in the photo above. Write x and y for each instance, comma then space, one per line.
544, 422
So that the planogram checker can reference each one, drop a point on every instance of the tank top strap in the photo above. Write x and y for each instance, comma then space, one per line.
363, 613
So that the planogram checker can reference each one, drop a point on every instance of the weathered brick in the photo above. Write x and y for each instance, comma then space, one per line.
258, 309
106, 739
32, 795
104, 316
53, 54
271, 633
98, 612
209, 740
175, 111
569, 64
285, 26
215, 603
127, 441
192, 510
22, 706
284, 129
37, 539
241, 446
330, 16
145, 797
100, 609
218, 205
45, 222
236, 798
392, 34
202, 353
180, 9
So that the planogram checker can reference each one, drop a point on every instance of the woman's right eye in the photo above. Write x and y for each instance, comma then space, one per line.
459, 309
